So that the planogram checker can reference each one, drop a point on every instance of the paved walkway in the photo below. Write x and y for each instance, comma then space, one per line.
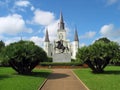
63, 79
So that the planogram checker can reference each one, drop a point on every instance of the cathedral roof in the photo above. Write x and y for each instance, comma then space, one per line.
76, 36
47, 36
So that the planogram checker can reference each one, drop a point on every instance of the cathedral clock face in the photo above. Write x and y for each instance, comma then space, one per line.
60, 36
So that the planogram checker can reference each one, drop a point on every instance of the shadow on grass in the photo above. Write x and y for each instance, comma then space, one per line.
115, 72
32, 74
57, 76
39, 74
35, 74
4, 77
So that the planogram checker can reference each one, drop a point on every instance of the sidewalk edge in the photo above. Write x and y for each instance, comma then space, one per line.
40, 87
80, 80
42, 84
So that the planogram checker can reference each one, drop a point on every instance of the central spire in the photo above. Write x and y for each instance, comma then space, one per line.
61, 23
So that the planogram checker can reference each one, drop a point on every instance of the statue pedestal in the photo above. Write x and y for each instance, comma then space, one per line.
62, 57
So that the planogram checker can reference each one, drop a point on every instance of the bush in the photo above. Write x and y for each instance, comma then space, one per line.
4, 63
50, 59
73, 60
23, 56
98, 55
60, 64
115, 63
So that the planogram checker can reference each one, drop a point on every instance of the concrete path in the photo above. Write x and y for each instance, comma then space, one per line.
63, 79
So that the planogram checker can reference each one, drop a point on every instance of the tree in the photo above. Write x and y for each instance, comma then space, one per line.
98, 55
2, 45
104, 39
23, 56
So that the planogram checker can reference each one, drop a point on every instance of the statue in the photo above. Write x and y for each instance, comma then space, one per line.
60, 46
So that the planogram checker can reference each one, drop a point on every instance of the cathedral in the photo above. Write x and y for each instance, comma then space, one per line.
61, 44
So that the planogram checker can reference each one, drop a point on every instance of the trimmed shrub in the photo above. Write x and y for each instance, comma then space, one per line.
98, 55
23, 56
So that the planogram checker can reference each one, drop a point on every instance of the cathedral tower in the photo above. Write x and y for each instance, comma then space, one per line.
61, 30
47, 45
75, 44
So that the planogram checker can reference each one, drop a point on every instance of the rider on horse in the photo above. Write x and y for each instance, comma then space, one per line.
61, 46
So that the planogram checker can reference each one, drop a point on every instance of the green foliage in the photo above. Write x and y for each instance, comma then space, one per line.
81, 54
2, 45
4, 62
72, 60
23, 56
98, 55
104, 39
49, 59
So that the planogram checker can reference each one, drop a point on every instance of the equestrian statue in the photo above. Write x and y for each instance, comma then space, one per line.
61, 47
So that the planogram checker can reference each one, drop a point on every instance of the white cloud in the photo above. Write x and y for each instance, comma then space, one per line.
43, 17
11, 40
13, 24
52, 30
106, 29
37, 40
89, 34
32, 8
110, 2
82, 45
46, 19
110, 32
23, 3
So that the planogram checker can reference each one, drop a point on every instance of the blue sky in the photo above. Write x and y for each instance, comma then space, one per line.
30, 18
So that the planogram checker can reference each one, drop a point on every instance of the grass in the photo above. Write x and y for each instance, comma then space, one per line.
10, 80
109, 80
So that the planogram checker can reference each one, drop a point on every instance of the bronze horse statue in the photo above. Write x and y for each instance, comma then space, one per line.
60, 46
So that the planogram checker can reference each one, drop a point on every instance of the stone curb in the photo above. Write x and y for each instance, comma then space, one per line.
80, 80
42, 84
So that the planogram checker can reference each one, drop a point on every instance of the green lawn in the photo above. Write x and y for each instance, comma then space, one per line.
109, 80
10, 80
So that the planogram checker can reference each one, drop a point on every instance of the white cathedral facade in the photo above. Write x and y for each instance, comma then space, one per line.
61, 44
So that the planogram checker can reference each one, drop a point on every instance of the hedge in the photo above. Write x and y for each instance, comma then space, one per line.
60, 64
